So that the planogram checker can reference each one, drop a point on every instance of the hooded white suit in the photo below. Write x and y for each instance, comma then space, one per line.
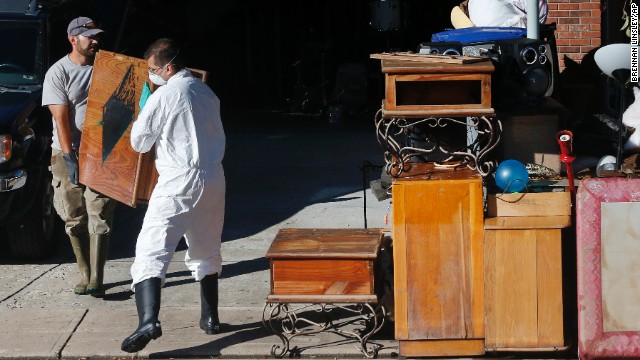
182, 119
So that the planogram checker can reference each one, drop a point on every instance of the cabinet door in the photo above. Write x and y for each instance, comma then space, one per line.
438, 259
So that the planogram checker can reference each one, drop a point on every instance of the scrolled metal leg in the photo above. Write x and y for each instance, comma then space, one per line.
278, 312
374, 326
287, 323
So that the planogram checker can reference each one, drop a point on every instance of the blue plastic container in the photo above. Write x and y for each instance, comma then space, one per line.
480, 34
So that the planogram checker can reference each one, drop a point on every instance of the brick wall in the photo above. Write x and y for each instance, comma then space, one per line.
578, 29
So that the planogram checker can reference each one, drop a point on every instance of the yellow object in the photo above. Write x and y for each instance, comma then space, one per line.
459, 19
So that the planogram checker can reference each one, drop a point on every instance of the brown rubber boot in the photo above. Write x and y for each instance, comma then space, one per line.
80, 247
98, 255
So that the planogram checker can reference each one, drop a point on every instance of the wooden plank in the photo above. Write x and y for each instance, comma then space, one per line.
323, 299
430, 58
400, 262
511, 289
422, 111
429, 171
108, 164
319, 276
550, 300
441, 347
326, 243
411, 67
529, 204
527, 222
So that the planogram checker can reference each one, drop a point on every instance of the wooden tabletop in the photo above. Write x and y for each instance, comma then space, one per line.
412, 67
429, 171
326, 243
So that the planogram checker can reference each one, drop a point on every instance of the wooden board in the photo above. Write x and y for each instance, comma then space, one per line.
326, 243
430, 58
108, 163
529, 204
441, 348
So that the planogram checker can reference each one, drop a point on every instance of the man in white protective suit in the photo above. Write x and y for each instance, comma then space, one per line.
182, 119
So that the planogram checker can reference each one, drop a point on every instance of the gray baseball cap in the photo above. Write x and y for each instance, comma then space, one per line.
83, 26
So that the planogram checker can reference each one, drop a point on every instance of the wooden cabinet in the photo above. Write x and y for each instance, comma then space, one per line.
523, 284
438, 262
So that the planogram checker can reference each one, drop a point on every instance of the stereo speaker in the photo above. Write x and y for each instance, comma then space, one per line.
527, 62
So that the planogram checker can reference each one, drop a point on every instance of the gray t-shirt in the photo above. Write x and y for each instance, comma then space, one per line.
68, 84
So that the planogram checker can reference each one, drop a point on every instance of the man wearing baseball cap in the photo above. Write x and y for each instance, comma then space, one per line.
87, 214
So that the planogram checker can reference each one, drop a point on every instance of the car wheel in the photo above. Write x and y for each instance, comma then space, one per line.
33, 236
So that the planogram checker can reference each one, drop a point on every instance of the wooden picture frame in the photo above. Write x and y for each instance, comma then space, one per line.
594, 340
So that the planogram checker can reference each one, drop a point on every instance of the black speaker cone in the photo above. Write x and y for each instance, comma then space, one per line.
537, 80
529, 55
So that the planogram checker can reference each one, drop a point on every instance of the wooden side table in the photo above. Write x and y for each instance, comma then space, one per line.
434, 95
330, 271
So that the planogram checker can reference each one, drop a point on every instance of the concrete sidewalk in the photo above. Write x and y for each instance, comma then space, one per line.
303, 176
90, 333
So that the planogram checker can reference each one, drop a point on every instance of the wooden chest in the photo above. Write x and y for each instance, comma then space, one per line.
324, 265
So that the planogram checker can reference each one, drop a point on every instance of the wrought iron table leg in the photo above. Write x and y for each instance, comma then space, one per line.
274, 314
284, 321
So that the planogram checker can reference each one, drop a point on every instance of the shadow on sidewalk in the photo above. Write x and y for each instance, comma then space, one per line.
233, 335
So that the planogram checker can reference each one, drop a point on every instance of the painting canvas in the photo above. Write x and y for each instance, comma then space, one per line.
608, 238
108, 163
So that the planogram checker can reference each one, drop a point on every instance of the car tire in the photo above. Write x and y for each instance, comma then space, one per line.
34, 235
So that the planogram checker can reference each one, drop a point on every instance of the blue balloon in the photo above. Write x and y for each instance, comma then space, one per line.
512, 176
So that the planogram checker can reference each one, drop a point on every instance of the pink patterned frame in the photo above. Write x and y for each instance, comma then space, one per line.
593, 342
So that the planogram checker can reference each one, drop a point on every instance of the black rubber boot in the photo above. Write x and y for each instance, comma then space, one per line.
209, 321
148, 305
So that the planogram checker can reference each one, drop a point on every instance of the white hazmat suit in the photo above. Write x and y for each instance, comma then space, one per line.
182, 119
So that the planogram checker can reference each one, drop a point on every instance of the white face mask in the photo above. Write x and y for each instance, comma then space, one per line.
156, 79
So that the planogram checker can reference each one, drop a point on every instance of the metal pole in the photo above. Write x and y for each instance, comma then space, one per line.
533, 24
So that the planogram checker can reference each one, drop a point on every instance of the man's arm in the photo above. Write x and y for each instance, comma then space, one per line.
61, 116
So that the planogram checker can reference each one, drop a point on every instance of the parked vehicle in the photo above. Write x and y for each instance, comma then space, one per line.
31, 39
